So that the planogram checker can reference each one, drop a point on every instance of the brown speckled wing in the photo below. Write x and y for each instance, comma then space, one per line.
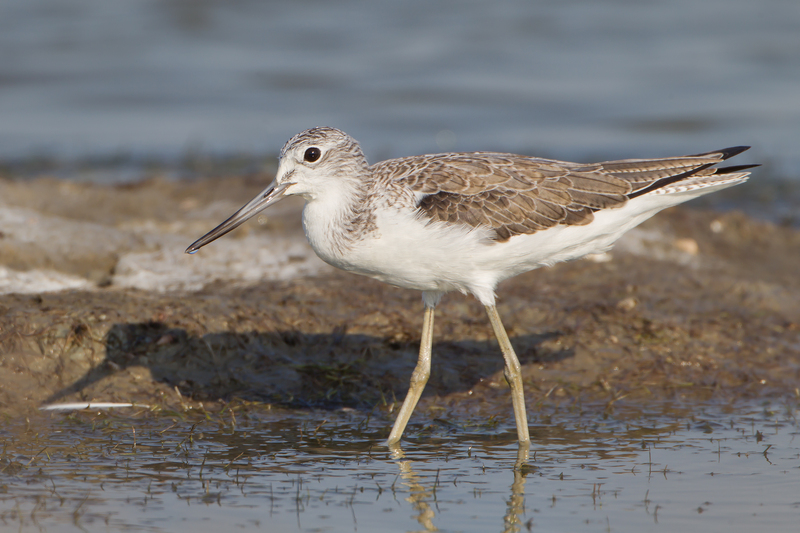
515, 195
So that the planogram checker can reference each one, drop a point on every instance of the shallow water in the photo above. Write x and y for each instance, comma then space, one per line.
715, 468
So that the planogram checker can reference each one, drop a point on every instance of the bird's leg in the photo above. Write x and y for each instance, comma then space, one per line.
418, 378
512, 373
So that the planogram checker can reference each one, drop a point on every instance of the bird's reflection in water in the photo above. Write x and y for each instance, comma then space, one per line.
516, 503
420, 496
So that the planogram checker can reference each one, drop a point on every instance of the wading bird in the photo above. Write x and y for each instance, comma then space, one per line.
467, 221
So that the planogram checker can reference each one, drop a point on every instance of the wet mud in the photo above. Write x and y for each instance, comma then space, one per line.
694, 304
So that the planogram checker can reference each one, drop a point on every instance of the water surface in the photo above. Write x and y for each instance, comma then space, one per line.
673, 468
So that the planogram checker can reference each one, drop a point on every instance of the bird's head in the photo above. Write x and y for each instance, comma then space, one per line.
316, 163
319, 161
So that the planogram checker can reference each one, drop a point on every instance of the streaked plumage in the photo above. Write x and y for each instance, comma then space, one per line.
518, 195
466, 221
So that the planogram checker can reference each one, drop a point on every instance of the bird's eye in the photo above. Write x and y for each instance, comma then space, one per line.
312, 154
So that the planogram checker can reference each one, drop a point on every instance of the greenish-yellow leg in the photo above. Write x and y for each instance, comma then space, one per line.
512, 373
418, 379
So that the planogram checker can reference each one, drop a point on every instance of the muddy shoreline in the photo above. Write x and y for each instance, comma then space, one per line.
695, 304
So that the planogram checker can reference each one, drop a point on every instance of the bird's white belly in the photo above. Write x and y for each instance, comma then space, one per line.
409, 252
406, 251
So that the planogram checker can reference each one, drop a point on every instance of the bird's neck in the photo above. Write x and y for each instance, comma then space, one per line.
335, 221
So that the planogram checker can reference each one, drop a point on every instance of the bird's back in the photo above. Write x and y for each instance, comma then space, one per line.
521, 212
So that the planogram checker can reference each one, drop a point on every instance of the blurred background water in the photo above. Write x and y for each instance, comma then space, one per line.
569, 79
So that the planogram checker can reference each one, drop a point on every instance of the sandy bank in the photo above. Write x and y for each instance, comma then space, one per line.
692, 303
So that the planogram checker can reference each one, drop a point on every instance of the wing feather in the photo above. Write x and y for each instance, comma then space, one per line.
515, 194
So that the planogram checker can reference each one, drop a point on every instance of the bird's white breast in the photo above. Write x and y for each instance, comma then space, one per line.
412, 252
401, 249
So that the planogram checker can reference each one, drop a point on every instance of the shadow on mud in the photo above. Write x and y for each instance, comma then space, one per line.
295, 369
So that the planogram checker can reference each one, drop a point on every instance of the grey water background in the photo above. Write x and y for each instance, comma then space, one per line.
569, 79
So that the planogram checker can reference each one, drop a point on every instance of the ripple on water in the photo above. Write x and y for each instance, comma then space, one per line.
731, 468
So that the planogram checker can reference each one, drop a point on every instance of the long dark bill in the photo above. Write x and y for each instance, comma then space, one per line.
269, 196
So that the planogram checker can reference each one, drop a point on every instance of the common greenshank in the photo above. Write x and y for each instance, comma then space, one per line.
467, 221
